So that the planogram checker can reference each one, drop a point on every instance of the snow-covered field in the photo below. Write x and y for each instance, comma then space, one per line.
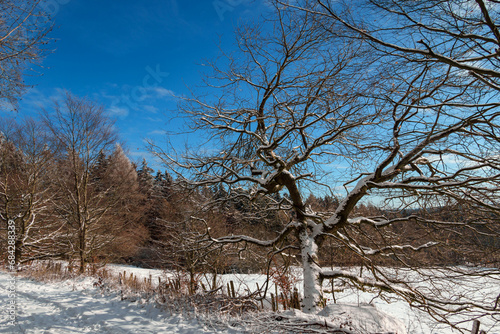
78, 306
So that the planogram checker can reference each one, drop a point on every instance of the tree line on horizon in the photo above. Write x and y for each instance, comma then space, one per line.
73, 194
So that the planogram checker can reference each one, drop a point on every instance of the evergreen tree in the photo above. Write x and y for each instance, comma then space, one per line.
145, 178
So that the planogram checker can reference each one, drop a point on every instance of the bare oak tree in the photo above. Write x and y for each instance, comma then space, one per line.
318, 100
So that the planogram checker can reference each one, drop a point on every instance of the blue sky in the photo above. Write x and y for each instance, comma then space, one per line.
134, 56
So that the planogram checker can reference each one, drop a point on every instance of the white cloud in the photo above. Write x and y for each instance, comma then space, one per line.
38, 100
162, 92
118, 111
151, 109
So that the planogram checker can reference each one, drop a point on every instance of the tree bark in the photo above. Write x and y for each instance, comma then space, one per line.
313, 282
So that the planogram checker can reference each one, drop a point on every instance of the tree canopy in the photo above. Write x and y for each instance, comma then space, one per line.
394, 103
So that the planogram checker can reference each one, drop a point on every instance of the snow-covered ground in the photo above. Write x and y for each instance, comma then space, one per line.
78, 306
353, 305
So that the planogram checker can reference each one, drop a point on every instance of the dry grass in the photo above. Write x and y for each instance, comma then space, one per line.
48, 271
173, 293
218, 309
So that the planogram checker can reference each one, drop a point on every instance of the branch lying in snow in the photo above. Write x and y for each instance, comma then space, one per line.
306, 320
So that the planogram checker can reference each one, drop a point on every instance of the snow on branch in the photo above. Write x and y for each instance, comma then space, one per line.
370, 251
368, 282
232, 239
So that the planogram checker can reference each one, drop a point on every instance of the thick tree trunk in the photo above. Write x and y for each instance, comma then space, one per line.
313, 290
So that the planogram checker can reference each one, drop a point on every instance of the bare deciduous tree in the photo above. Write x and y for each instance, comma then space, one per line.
23, 34
82, 131
323, 103
25, 190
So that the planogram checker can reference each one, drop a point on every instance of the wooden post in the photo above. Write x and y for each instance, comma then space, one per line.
232, 289
283, 300
475, 327
333, 291
276, 296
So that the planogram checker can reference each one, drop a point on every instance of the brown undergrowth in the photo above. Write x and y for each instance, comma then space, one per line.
218, 309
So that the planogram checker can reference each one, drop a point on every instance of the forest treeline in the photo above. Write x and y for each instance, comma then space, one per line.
72, 193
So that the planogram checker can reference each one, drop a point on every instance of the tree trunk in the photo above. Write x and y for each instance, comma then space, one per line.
313, 290
18, 251
20, 233
82, 248
192, 282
